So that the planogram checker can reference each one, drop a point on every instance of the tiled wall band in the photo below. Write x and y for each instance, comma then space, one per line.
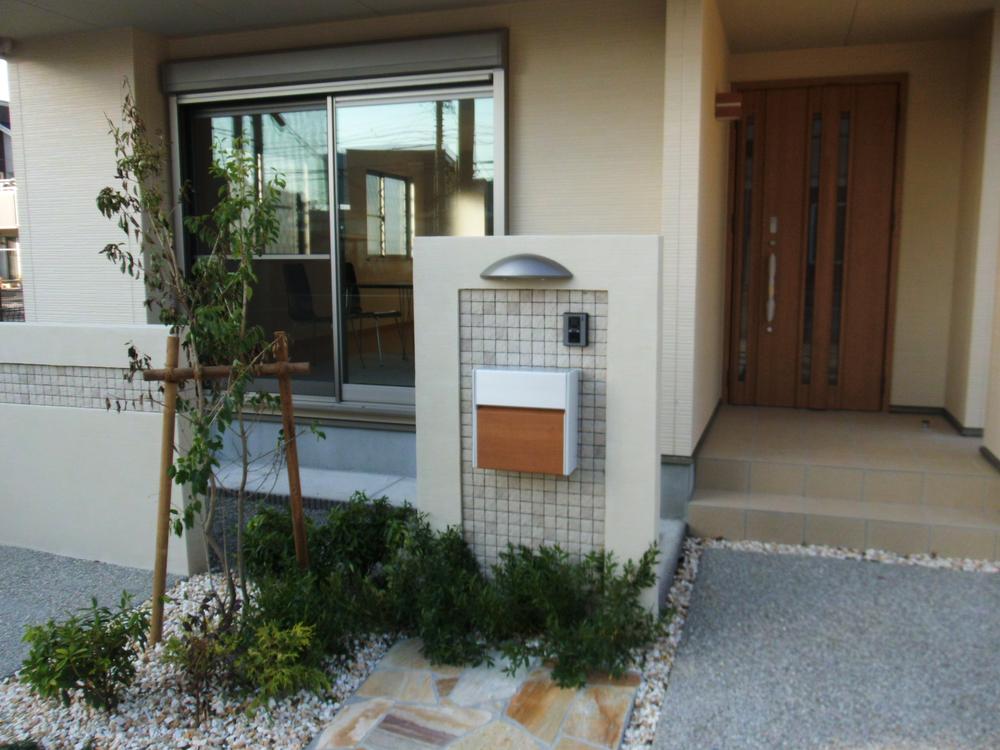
523, 328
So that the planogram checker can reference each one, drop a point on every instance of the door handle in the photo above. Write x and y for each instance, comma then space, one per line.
772, 272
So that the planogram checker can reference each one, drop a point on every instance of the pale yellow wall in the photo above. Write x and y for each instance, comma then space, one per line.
967, 238
712, 206
935, 122
991, 437
695, 164
585, 106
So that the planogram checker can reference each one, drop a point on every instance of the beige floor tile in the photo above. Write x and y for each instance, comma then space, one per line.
722, 474
540, 706
598, 715
351, 725
782, 479
568, 743
783, 528
835, 532
409, 686
901, 538
893, 487
405, 655
776, 503
498, 735
709, 523
948, 541
833, 481
954, 491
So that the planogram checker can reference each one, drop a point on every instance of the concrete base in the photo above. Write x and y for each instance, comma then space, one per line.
672, 533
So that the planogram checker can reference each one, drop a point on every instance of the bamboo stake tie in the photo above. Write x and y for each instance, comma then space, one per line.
163, 503
171, 376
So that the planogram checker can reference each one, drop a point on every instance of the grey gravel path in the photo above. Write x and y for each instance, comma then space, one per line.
36, 586
783, 651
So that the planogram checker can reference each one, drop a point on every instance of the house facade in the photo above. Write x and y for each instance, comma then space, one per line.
783, 208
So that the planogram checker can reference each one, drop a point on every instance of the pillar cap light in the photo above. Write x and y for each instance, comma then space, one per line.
526, 266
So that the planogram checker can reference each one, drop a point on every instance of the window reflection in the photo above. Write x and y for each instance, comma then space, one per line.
404, 169
292, 294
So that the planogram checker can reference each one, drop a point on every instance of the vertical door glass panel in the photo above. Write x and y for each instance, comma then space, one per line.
815, 156
843, 164
294, 291
747, 244
404, 169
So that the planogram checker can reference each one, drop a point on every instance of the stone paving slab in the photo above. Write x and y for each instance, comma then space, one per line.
788, 651
409, 704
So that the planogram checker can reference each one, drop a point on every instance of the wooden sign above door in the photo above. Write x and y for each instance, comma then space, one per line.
728, 105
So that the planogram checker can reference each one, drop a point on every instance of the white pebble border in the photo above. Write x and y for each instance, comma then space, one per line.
658, 660
156, 713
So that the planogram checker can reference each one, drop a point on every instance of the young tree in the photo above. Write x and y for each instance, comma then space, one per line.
206, 305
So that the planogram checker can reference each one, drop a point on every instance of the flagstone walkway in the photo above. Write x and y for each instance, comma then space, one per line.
408, 704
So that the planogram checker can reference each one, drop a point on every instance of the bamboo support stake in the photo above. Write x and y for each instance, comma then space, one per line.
291, 451
163, 505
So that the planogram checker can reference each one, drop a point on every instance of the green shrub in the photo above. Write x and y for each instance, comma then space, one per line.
338, 606
435, 591
378, 568
268, 544
363, 534
584, 616
22, 745
93, 651
281, 662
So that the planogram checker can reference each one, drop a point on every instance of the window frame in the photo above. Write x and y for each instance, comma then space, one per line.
382, 402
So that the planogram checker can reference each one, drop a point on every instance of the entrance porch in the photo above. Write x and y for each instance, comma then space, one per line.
907, 483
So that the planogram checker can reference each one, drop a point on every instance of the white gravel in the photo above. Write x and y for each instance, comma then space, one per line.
156, 713
658, 660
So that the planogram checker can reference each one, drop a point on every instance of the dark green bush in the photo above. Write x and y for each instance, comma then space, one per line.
363, 534
268, 544
584, 616
23, 745
378, 568
93, 651
435, 591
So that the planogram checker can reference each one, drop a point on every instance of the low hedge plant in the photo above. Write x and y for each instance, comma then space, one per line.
92, 651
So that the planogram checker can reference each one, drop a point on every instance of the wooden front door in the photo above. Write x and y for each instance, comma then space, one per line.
814, 190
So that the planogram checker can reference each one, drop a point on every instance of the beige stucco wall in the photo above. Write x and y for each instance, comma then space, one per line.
713, 201
935, 123
967, 237
82, 481
585, 102
695, 164
991, 435
62, 91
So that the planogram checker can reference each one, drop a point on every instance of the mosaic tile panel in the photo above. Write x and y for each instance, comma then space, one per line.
79, 387
520, 328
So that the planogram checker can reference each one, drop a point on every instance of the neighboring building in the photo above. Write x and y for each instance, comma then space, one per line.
826, 240
11, 302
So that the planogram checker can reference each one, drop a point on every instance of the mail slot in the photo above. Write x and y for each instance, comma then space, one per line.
525, 420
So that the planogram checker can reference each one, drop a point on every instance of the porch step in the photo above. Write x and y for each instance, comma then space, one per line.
974, 488
900, 527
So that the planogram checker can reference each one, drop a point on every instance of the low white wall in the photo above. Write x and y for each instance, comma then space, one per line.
628, 268
79, 481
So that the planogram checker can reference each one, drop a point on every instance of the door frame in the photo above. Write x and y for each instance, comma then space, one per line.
900, 79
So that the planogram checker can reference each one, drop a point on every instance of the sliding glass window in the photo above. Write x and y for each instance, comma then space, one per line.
339, 279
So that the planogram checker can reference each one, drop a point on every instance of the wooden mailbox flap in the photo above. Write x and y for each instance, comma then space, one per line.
517, 439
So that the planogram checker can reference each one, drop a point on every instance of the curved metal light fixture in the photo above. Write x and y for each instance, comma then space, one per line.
526, 266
